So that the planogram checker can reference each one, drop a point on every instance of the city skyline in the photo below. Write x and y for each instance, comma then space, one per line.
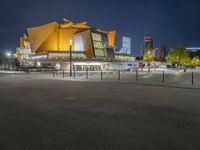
166, 24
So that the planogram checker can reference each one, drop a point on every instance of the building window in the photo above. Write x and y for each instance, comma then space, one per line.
78, 43
98, 45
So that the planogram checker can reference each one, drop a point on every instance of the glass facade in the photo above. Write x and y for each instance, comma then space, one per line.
126, 45
98, 45
59, 55
148, 42
78, 43
124, 57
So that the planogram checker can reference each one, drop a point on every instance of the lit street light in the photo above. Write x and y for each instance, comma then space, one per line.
8, 54
70, 42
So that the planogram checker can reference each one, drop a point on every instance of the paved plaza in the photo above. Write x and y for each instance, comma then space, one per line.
41, 113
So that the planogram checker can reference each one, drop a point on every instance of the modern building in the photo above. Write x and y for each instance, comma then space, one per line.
160, 52
154, 52
148, 43
24, 51
126, 45
192, 49
53, 43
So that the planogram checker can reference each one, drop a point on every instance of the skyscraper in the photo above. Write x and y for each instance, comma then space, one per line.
148, 43
126, 45
161, 52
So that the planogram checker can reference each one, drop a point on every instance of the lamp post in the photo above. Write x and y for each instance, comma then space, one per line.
8, 56
70, 57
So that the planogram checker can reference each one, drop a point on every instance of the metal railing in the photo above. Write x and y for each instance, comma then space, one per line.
191, 78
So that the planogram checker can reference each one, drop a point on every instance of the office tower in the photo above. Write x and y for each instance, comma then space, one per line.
148, 43
126, 45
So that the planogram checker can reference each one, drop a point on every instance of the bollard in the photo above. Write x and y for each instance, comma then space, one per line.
136, 75
192, 78
57, 73
163, 77
118, 75
74, 72
101, 75
86, 73
63, 74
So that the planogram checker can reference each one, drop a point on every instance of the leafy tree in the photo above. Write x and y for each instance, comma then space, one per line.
148, 56
2, 59
178, 56
195, 61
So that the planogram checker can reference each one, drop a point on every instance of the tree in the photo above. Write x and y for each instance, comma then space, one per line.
178, 56
195, 61
2, 59
148, 56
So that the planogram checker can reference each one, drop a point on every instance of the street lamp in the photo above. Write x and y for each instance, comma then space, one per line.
8, 54
70, 57
8, 57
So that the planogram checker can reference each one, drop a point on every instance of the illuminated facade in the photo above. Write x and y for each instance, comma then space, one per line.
55, 37
148, 43
192, 49
51, 43
161, 52
126, 45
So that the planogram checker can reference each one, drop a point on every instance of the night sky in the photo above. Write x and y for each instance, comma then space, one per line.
168, 21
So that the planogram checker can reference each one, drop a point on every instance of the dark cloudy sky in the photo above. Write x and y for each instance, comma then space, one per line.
168, 21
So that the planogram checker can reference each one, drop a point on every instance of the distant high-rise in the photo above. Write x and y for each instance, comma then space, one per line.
126, 45
161, 51
148, 43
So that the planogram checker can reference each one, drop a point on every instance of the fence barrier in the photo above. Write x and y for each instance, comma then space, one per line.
189, 78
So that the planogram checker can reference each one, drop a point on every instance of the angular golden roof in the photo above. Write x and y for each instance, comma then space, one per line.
54, 36
38, 35
66, 20
69, 24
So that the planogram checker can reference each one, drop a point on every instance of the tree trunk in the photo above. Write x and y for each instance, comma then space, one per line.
148, 67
